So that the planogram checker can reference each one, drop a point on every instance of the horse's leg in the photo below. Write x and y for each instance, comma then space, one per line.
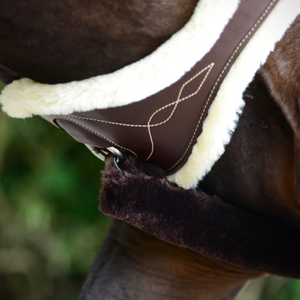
135, 265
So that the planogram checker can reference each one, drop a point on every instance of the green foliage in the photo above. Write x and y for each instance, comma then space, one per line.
50, 225
290, 290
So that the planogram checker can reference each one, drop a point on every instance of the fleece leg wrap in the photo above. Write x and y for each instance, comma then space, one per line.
143, 197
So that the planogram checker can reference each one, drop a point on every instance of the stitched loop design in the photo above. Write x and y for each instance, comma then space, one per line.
250, 32
207, 69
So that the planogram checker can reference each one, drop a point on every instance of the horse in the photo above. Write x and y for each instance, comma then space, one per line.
65, 41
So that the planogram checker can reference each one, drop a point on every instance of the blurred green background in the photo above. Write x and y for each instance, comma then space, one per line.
50, 225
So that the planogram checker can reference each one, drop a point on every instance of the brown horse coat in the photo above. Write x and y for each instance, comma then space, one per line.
42, 41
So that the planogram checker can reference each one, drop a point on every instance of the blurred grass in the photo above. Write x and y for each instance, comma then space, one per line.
271, 288
50, 226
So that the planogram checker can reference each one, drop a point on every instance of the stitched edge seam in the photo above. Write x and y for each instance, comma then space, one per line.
209, 67
175, 103
250, 32
94, 132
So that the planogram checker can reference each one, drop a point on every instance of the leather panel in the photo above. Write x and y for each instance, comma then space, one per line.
164, 127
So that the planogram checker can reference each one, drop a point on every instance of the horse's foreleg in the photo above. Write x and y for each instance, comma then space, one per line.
135, 265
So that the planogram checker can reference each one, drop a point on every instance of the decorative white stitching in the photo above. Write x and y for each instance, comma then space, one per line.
250, 32
94, 132
175, 103
208, 68
166, 106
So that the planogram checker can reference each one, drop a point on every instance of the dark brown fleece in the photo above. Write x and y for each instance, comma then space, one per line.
190, 218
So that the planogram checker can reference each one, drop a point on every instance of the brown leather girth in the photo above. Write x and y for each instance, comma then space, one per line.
164, 127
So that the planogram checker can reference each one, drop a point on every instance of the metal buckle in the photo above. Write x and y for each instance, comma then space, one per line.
101, 153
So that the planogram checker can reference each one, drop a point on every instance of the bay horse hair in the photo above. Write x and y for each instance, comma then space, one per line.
256, 180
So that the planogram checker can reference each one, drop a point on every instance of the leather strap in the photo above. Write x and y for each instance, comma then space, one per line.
164, 127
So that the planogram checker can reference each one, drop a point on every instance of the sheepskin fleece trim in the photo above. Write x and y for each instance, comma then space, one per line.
195, 220
225, 110
24, 98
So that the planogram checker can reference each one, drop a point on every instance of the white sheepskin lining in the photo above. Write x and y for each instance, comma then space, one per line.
24, 98
222, 118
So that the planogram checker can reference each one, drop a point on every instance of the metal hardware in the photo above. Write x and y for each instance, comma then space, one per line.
117, 153
101, 153
116, 161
